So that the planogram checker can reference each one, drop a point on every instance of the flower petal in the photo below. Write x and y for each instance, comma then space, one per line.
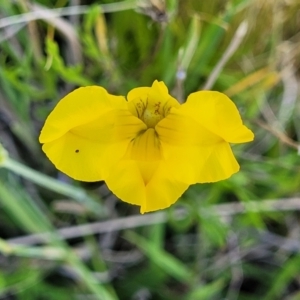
160, 92
163, 189
185, 163
139, 92
86, 152
147, 184
81, 158
158, 87
81, 106
126, 182
157, 93
219, 165
189, 148
179, 129
113, 126
200, 164
217, 113
144, 147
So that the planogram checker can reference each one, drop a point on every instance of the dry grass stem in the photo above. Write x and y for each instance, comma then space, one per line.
66, 11
222, 210
280, 135
234, 44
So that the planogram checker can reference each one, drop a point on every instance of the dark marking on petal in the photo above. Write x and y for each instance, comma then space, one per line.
76, 151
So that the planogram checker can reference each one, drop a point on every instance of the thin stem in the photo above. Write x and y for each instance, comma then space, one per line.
236, 41
221, 210
60, 251
88, 278
45, 181
39, 12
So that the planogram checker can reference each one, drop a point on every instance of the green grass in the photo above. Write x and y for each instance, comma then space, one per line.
235, 239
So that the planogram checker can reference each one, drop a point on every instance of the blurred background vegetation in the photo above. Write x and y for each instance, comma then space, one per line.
236, 239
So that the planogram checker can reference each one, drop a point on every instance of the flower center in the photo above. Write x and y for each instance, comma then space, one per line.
150, 111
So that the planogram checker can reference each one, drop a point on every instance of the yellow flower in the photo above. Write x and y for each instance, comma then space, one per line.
148, 149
